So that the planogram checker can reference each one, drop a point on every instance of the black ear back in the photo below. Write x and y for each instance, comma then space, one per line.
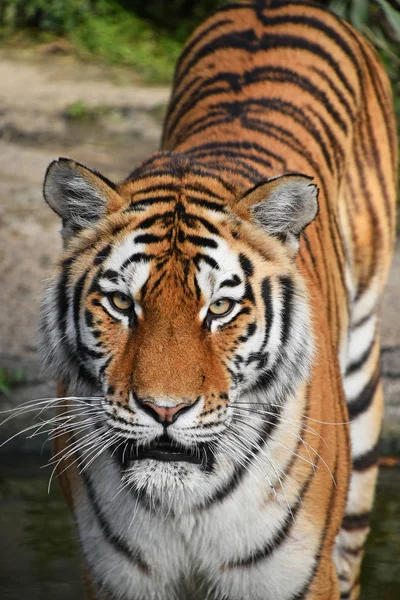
79, 195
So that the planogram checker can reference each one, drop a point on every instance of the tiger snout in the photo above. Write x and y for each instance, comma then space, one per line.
164, 411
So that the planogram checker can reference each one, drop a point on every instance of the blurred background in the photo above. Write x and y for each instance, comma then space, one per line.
90, 79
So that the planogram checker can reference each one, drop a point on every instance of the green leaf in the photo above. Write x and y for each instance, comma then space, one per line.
339, 7
359, 12
393, 17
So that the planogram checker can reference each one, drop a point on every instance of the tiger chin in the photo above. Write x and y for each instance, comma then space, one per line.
213, 321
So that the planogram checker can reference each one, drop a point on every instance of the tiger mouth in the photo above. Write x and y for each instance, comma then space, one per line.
162, 449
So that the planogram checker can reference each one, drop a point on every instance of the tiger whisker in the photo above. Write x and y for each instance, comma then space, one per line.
301, 415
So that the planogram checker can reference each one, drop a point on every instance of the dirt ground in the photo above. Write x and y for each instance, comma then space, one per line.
117, 123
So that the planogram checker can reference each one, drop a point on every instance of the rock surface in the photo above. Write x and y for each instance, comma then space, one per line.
118, 126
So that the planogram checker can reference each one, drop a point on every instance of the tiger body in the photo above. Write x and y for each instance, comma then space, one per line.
281, 396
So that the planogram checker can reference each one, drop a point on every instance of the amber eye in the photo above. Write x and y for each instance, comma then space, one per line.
121, 301
221, 307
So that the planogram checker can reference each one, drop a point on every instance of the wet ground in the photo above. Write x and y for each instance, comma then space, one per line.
39, 554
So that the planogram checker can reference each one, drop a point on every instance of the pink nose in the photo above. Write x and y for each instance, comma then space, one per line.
165, 414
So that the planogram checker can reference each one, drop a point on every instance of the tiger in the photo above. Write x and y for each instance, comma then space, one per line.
214, 319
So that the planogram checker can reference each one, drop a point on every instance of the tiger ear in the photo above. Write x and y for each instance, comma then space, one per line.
283, 207
77, 194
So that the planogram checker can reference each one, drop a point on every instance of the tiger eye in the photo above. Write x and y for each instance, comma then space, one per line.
221, 307
121, 301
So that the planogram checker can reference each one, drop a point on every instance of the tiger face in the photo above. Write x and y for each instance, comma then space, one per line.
177, 301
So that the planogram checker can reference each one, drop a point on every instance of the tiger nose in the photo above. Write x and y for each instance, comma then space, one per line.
164, 414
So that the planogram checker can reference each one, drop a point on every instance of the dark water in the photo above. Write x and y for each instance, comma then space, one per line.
39, 553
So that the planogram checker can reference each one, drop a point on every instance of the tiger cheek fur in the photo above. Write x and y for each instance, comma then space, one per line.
216, 317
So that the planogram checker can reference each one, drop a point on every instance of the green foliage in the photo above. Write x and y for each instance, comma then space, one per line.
9, 379
103, 29
120, 37
179, 17
59, 16
80, 111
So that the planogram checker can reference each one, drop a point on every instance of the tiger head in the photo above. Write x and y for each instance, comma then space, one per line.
176, 302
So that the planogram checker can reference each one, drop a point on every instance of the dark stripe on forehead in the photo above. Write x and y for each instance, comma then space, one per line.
150, 221
135, 258
210, 205
191, 219
207, 259
161, 187
202, 241
139, 205
149, 238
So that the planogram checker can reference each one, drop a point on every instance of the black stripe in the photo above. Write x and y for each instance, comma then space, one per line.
367, 460
248, 41
149, 238
62, 295
115, 540
390, 134
199, 188
89, 318
236, 157
102, 255
268, 310
234, 282
298, 115
191, 220
356, 365
246, 265
86, 351
339, 96
244, 311
242, 468
150, 221
303, 594
235, 149
111, 275
364, 399
280, 536
287, 298
199, 38
315, 23
76, 309
353, 522
156, 284
207, 259
140, 204
207, 204
202, 241
137, 257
